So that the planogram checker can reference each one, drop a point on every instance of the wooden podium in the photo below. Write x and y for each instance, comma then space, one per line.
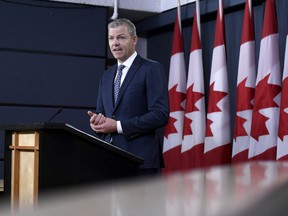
44, 156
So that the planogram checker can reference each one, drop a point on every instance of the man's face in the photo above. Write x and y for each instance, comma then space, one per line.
121, 43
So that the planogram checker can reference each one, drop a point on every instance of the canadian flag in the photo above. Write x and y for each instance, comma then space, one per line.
194, 120
282, 142
177, 93
217, 147
267, 91
245, 88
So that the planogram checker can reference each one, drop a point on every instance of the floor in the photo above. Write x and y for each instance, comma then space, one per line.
241, 190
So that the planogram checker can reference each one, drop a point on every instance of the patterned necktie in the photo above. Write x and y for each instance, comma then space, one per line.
118, 82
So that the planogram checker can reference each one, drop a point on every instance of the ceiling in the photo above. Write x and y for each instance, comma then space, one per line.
134, 10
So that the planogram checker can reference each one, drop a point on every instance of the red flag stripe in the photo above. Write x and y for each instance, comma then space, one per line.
270, 19
217, 145
219, 34
265, 117
177, 94
194, 122
248, 24
282, 142
177, 37
195, 39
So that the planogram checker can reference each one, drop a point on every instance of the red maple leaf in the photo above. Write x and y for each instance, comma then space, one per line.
208, 128
170, 127
266, 92
187, 129
214, 98
176, 98
245, 96
239, 127
264, 98
259, 128
283, 121
192, 98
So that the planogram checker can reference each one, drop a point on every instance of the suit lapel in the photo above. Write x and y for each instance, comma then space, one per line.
110, 86
132, 70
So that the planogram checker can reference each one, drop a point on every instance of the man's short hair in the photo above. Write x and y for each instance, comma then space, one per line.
122, 21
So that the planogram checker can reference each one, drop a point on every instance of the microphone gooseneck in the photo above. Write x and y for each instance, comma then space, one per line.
55, 114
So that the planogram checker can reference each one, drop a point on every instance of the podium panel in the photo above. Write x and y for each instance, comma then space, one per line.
24, 167
45, 156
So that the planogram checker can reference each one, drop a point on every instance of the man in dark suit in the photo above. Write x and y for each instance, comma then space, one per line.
132, 119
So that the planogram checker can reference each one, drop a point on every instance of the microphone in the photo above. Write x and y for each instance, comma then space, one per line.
55, 114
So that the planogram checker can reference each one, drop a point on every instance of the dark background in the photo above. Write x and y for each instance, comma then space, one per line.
53, 54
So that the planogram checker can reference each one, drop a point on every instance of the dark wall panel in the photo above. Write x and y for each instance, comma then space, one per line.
53, 27
49, 80
22, 115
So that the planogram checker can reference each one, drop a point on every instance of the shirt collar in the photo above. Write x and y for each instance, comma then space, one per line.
129, 61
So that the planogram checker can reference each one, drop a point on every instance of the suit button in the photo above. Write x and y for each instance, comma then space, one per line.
113, 116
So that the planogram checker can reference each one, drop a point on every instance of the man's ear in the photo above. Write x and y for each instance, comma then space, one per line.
135, 39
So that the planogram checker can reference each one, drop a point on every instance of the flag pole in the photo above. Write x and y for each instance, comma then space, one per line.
198, 17
179, 14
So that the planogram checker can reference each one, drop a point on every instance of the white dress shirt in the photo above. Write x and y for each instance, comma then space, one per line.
125, 70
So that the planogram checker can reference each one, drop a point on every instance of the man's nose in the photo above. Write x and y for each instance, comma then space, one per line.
116, 41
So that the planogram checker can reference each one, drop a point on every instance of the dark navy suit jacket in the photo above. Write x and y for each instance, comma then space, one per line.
142, 107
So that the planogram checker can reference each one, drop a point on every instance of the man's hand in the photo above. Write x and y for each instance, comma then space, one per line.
100, 124
96, 119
